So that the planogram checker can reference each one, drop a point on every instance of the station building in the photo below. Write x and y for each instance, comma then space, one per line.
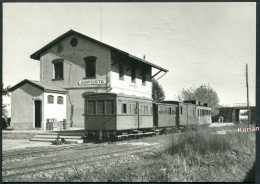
72, 67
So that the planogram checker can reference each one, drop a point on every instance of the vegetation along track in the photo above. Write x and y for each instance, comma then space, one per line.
31, 169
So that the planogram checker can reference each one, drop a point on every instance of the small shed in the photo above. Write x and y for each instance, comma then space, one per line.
34, 102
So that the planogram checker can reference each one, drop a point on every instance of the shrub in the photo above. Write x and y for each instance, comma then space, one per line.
198, 142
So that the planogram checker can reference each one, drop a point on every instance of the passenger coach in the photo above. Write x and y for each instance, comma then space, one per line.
110, 114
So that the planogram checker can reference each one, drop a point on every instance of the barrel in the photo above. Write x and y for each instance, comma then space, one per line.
65, 124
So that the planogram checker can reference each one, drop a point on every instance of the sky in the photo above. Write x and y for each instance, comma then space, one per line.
199, 43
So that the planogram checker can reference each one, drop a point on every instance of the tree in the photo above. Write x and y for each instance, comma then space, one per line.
5, 92
158, 94
202, 93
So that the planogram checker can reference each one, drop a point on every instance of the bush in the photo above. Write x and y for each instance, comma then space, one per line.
199, 142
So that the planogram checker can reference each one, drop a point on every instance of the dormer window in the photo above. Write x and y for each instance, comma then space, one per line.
90, 67
58, 69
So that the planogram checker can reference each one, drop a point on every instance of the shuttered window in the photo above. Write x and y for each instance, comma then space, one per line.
121, 71
60, 100
50, 99
90, 67
133, 74
58, 70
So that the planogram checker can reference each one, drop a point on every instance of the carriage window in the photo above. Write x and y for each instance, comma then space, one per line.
146, 109
173, 110
133, 108
90, 66
91, 107
124, 108
109, 107
100, 107
50, 99
121, 71
60, 100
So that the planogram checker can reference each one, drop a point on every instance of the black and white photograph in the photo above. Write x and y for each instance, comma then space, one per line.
129, 92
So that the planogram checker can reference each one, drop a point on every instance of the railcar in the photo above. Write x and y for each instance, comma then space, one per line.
109, 114
164, 115
119, 115
204, 115
191, 113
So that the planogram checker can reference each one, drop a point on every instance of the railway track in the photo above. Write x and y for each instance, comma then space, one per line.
26, 153
9, 173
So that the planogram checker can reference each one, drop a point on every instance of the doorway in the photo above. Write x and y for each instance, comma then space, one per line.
37, 113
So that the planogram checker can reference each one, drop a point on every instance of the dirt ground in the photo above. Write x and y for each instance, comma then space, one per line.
13, 144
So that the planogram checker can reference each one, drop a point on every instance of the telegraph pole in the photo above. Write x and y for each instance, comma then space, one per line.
248, 111
101, 24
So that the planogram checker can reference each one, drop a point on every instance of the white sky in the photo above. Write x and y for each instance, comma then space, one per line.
199, 43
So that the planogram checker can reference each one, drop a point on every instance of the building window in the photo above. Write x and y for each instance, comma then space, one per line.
133, 74
50, 99
121, 71
60, 100
100, 107
58, 70
181, 110
143, 77
109, 107
124, 109
91, 107
90, 67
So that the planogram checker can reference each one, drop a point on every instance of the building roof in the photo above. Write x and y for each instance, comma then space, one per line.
94, 95
47, 87
38, 53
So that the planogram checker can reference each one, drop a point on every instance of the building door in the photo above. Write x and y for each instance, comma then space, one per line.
237, 119
37, 113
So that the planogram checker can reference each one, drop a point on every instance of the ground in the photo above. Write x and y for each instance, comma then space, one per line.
206, 154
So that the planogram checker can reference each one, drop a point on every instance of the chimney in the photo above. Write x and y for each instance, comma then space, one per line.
144, 57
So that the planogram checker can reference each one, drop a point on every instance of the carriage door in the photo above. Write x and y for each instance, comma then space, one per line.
136, 112
37, 113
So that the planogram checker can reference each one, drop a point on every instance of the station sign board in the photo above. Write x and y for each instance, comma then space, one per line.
92, 82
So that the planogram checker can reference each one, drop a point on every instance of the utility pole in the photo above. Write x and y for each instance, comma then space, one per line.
248, 111
101, 24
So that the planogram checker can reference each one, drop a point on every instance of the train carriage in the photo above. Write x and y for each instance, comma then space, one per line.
164, 115
109, 114
204, 115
